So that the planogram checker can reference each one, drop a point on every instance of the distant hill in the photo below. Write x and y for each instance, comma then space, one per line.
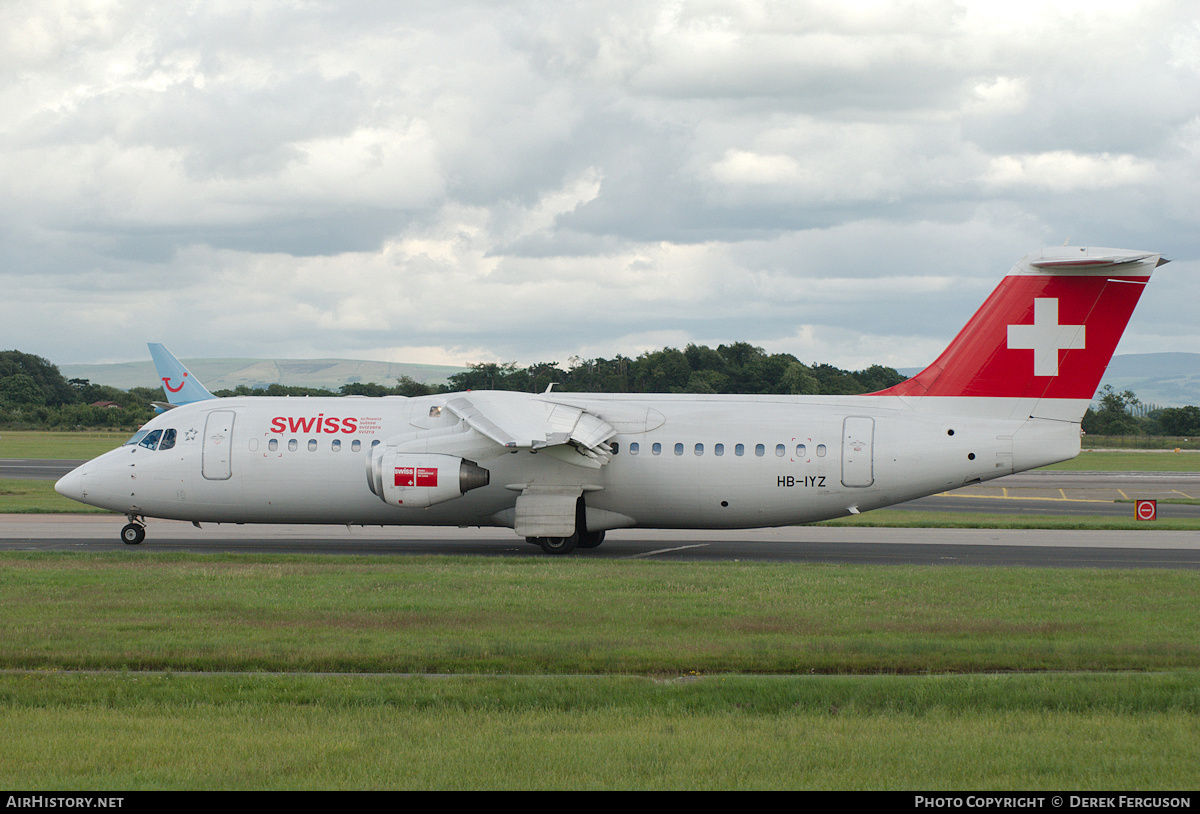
1161, 379
226, 374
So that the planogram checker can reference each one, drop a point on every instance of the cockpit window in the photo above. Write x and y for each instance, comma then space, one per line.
151, 440
137, 438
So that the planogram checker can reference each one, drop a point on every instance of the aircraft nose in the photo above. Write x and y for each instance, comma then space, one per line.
71, 484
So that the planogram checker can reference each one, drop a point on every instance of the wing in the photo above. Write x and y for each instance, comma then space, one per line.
523, 421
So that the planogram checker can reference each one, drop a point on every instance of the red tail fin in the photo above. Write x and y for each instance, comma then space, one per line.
1047, 331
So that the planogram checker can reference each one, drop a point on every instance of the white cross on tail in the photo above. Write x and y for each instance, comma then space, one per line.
1045, 337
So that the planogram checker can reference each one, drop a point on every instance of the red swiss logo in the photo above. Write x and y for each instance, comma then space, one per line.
416, 476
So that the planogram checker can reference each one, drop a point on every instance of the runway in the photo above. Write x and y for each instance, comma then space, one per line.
36, 468
800, 544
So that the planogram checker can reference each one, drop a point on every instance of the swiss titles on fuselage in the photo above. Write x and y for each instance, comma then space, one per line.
313, 424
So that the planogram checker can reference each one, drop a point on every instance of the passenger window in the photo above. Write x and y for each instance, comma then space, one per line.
355, 445
168, 440
273, 444
293, 445
801, 450
151, 440
679, 449
699, 449
337, 444
634, 448
656, 448
760, 450
739, 450
616, 448
779, 450
820, 450
718, 450
312, 444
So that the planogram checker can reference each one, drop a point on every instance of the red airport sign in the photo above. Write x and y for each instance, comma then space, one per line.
1146, 509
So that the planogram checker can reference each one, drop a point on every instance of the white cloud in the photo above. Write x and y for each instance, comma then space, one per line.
1066, 171
743, 167
537, 179
1001, 95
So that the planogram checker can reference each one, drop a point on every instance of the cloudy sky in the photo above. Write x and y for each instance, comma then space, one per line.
452, 182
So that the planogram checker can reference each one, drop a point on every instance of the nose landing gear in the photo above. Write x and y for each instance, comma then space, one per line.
134, 532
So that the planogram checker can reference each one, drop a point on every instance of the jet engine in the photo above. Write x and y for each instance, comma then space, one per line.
413, 481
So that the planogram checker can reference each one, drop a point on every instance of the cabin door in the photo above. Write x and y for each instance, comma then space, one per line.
858, 451
218, 445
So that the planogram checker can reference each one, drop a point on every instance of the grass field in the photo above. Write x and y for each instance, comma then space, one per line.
996, 733
545, 674
896, 518
1131, 461
19, 496
161, 611
59, 445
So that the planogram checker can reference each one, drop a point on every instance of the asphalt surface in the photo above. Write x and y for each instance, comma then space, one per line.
34, 469
802, 544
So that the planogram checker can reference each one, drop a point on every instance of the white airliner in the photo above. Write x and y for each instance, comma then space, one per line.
1007, 395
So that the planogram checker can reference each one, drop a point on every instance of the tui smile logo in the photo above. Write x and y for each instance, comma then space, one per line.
167, 383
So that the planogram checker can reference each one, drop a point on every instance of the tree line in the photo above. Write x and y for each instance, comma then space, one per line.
35, 395
1119, 414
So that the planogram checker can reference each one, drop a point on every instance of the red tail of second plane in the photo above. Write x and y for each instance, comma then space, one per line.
1047, 332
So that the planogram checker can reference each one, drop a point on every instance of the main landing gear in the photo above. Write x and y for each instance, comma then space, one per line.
134, 532
565, 545
582, 538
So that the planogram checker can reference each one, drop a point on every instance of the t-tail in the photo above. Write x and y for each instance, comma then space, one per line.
179, 384
1041, 342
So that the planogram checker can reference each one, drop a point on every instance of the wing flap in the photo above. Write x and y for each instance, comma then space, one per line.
521, 421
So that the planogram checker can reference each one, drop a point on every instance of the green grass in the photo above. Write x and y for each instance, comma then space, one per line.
18, 496
1005, 733
904, 518
59, 445
576, 674
1139, 442
158, 611
1131, 461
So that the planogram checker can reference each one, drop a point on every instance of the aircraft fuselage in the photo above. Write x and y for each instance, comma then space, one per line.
679, 461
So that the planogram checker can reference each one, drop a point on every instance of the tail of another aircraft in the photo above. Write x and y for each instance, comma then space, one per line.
1046, 334
180, 385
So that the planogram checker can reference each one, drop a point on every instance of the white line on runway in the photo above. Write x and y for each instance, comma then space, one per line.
665, 551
